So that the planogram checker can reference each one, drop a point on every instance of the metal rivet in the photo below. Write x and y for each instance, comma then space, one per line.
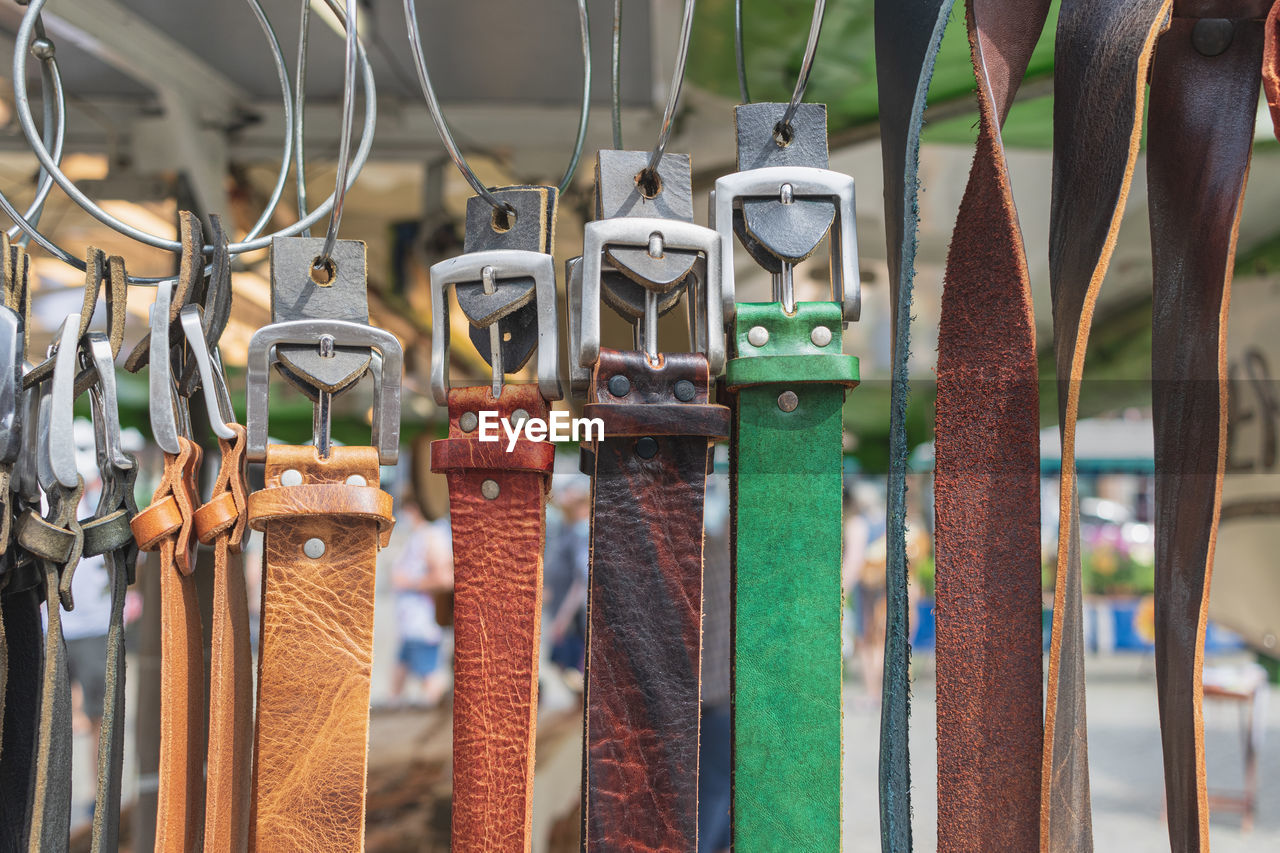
490, 489
357, 480
619, 386
646, 448
821, 336
291, 477
787, 401
313, 548
519, 416
758, 336
1212, 36
468, 421
684, 390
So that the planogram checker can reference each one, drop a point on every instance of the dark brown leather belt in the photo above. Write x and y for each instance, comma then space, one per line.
645, 600
1204, 97
988, 478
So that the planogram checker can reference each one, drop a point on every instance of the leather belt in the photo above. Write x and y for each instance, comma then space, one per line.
221, 523
324, 519
313, 674
497, 503
497, 509
989, 644
908, 35
788, 378
166, 527
645, 601
1098, 84
1204, 96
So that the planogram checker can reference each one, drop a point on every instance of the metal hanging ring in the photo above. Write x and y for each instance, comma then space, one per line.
351, 21
784, 129
615, 75
299, 111
739, 52
446, 135
252, 242
54, 108
673, 95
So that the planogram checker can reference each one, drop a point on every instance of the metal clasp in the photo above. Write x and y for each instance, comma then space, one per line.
11, 346
705, 307
57, 411
386, 364
490, 266
95, 356
785, 184
170, 417
213, 382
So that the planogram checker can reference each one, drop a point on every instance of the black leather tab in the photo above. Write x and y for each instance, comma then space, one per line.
511, 306
296, 295
619, 194
770, 230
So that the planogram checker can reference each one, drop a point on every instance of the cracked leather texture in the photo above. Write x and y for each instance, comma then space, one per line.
989, 642
785, 480
645, 621
228, 766
181, 794
497, 570
311, 733
1202, 122
1097, 87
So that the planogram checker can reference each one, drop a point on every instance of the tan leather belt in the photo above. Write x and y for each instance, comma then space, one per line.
987, 479
166, 527
221, 523
323, 521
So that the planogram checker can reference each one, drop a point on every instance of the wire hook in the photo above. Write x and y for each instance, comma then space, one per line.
673, 95
351, 20
442, 126
806, 68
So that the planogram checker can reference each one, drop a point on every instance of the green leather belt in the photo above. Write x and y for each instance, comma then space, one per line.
786, 493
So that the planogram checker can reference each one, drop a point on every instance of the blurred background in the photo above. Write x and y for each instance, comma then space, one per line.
176, 106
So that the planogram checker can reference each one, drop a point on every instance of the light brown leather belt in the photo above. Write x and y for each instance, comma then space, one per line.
166, 527
323, 520
221, 523
988, 479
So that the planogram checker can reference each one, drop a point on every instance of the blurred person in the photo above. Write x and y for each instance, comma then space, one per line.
565, 579
423, 567
863, 575
715, 742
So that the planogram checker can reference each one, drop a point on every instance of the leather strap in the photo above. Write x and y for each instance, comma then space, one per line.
166, 526
1201, 118
221, 523
108, 533
316, 647
987, 478
498, 522
787, 512
1098, 91
908, 33
1271, 66
55, 542
640, 786
24, 634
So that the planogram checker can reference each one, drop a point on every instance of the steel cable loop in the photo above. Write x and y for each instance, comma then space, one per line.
442, 126
806, 68
299, 110
740, 53
673, 95
54, 115
344, 141
615, 75
252, 242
